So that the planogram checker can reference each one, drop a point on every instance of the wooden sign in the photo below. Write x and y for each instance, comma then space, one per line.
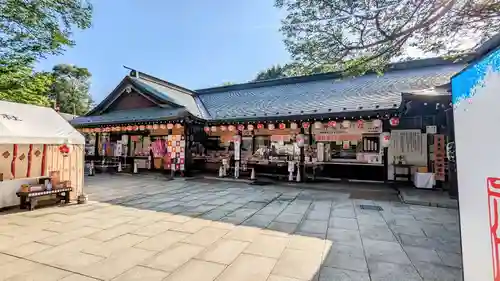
439, 157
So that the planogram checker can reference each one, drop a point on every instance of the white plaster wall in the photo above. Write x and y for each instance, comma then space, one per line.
478, 157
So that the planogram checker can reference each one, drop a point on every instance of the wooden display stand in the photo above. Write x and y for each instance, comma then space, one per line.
29, 194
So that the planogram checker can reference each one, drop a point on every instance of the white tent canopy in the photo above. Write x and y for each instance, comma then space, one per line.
29, 124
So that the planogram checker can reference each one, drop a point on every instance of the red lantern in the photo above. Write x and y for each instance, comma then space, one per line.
231, 128
332, 124
241, 127
178, 126
394, 121
149, 127
136, 128
305, 125
360, 124
282, 126
270, 126
64, 149
206, 129
156, 126
260, 126
163, 126
170, 126
129, 128
223, 128
250, 127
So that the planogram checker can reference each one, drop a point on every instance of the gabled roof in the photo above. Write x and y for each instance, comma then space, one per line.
327, 93
144, 89
134, 115
167, 89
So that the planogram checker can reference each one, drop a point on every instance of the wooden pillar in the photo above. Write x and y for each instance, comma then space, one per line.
301, 166
96, 145
386, 127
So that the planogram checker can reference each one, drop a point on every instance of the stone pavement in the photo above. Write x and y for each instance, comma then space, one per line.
143, 228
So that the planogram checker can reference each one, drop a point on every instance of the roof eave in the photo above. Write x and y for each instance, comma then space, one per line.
318, 116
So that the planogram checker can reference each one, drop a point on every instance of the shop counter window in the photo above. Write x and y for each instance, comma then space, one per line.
344, 147
276, 147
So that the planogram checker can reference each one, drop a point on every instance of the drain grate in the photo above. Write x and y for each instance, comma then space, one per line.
371, 207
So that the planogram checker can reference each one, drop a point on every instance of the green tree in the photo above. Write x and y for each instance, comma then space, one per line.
274, 72
70, 89
292, 70
369, 34
30, 30
23, 85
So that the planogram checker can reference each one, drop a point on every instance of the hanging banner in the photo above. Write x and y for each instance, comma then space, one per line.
237, 148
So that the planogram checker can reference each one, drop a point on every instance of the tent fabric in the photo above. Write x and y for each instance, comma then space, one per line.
30, 124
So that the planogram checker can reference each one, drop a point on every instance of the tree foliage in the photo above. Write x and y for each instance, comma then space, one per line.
70, 89
368, 34
22, 85
291, 70
274, 72
33, 29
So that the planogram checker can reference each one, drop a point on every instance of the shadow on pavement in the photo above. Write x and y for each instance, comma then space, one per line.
145, 227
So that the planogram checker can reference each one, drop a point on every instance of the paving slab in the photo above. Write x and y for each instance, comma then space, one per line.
267, 246
434, 198
141, 273
225, 251
141, 227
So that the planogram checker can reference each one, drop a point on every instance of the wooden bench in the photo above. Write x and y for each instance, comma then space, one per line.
29, 200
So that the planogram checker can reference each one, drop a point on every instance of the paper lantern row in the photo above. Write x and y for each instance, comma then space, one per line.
317, 125
130, 128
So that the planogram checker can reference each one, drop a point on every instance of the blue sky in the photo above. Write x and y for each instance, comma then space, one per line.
192, 43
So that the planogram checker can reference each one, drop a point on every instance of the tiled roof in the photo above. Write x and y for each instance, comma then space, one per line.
68, 117
163, 90
327, 94
135, 115
146, 87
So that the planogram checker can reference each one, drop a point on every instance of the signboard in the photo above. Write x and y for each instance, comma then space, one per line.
335, 137
281, 138
439, 154
354, 128
475, 101
431, 130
